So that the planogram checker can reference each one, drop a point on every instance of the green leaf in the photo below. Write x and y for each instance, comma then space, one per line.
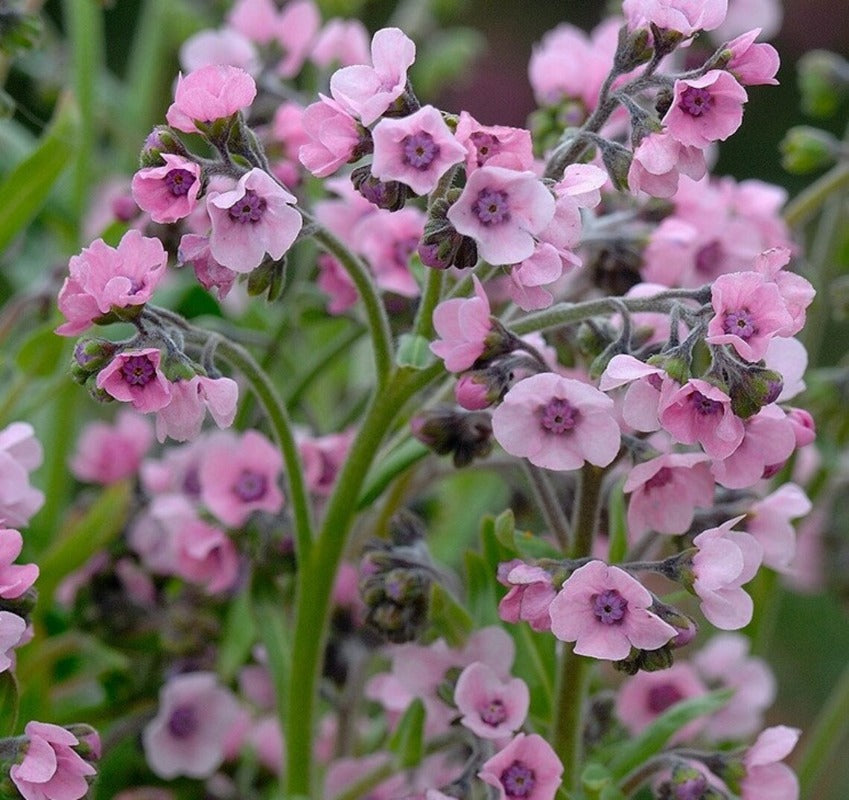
237, 638
414, 351
41, 353
618, 525
505, 529
652, 740
598, 783
271, 624
9, 701
25, 189
447, 617
480, 589
407, 742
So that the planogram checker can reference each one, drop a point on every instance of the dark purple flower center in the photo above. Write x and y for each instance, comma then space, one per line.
191, 481
696, 102
250, 486
691, 789
609, 607
138, 370
704, 405
492, 207
404, 248
660, 479
179, 181
183, 722
250, 208
740, 323
558, 416
493, 713
486, 146
518, 780
419, 150
708, 258
663, 696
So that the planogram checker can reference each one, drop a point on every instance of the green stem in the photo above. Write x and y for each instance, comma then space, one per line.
802, 207
825, 736
432, 293
322, 361
549, 503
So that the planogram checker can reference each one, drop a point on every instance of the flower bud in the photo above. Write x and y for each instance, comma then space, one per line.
390, 195
823, 82
645, 660
161, 139
803, 426
752, 388
687, 783
90, 356
465, 435
805, 149
634, 48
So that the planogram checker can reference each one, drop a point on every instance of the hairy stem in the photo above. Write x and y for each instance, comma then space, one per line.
549, 503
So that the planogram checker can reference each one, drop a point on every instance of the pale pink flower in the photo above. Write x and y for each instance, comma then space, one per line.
666, 491
606, 612
463, 325
767, 778
705, 109
368, 91
106, 454
323, 457
491, 708
13, 633
752, 64
170, 192
183, 417
789, 357
296, 27
502, 210
15, 579
334, 137
254, 218
210, 93
796, 292
176, 472
133, 376
684, 16
700, 412
336, 283
642, 399
187, 735
205, 555
239, 475
103, 277
341, 41
266, 739
51, 769
194, 250
726, 559
528, 768
768, 521
803, 426
20, 454
345, 772
416, 150
557, 423
743, 15
494, 145
388, 239
255, 19
153, 533
530, 595
225, 46
658, 160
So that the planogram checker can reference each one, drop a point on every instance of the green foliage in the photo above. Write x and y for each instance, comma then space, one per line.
407, 741
9, 703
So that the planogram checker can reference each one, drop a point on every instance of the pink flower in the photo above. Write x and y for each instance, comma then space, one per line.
700, 412
726, 559
296, 27
768, 521
334, 137
183, 417
208, 94
527, 768
796, 292
254, 218
341, 41
205, 555
502, 210
13, 633
494, 145
606, 612
557, 423
658, 160
323, 457
335, 282
766, 778
705, 109
416, 150
255, 19
239, 475
188, 733
103, 277
107, 453
170, 192
225, 46
491, 708
134, 377
463, 325
368, 91
194, 250
641, 401
388, 239
789, 357
683, 16
20, 454
51, 769
666, 491
530, 595
743, 15
15, 579
753, 64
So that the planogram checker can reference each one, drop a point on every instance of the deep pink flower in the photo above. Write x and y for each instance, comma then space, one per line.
494, 145
557, 423
170, 192
239, 475
13, 633
183, 417
502, 210
606, 612
103, 277
254, 218
368, 91
491, 708
107, 453
753, 64
705, 109
15, 579
20, 454
767, 778
658, 160
683, 16
51, 769
133, 376
341, 41
726, 559
209, 93
527, 768
530, 595
416, 150
768, 521
187, 735
462, 325
334, 137
666, 491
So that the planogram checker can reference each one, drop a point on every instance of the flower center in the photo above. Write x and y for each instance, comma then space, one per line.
696, 101
559, 416
138, 370
493, 713
250, 486
691, 789
704, 405
609, 607
249, 209
518, 780
179, 181
660, 479
419, 150
486, 146
491, 207
740, 323
183, 722
662, 697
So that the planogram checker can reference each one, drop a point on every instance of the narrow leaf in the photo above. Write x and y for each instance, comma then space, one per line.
407, 742
618, 526
448, 618
9, 701
237, 638
414, 351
